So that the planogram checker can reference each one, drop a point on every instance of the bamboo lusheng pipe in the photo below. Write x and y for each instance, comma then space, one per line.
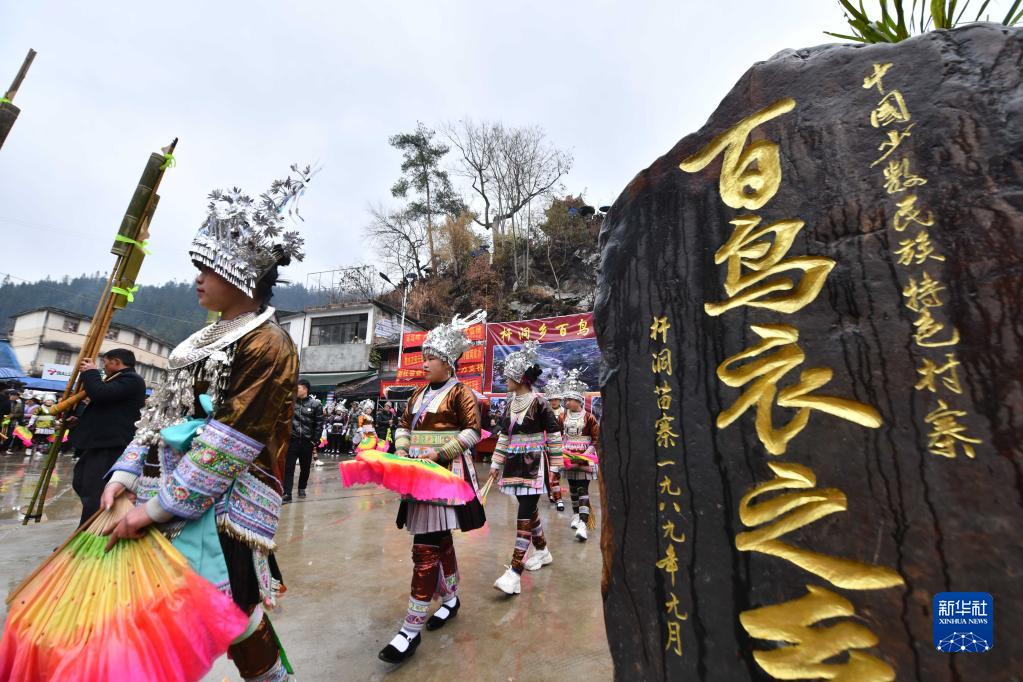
68, 403
101, 318
22, 72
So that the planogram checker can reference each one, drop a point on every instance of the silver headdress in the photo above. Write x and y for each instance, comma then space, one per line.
367, 405
553, 388
516, 364
241, 240
573, 387
448, 341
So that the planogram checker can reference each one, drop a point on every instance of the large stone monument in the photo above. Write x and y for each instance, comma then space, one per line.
812, 315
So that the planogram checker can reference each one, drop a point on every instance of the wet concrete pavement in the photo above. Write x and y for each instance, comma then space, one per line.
347, 569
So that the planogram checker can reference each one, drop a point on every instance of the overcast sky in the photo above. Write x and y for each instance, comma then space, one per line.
251, 87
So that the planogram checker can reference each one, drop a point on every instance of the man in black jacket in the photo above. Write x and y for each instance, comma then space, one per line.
107, 424
305, 434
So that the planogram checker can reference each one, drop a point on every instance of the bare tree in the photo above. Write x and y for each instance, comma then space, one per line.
528, 167
508, 168
402, 240
477, 145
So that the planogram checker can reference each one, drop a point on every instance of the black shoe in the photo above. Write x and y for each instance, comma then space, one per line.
301, 492
561, 506
392, 655
436, 622
285, 498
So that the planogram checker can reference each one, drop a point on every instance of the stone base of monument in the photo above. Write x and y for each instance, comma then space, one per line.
812, 316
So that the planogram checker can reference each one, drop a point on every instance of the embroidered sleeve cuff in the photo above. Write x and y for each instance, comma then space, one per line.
125, 479
156, 512
466, 439
402, 439
131, 460
217, 456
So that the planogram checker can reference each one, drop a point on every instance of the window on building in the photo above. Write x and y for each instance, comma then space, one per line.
149, 344
338, 329
137, 341
286, 326
70, 325
63, 357
111, 334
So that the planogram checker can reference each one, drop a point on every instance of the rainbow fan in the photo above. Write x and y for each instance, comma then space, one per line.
579, 458
23, 434
137, 612
373, 442
417, 478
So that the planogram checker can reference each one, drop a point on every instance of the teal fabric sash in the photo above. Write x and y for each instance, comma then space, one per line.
198, 540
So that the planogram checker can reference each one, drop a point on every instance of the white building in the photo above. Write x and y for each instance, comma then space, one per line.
53, 337
346, 342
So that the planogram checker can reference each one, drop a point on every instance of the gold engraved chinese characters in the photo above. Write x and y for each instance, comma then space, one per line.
761, 275
751, 176
668, 493
935, 339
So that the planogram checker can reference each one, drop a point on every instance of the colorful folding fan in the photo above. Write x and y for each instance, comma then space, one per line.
23, 434
417, 478
373, 442
580, 458
137, 612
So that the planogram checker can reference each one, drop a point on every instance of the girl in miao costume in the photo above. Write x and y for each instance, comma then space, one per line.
581, 435
442, 424
552, 391
367, 431
241, 375
528, 444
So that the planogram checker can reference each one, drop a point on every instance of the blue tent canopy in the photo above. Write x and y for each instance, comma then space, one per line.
9, 367
43, 384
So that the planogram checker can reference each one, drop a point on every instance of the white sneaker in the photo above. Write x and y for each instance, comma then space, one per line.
510, 582
318, 463
575, 522
580, 532
539, 559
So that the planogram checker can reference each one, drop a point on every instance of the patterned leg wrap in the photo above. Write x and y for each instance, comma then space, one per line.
584, 508
257, 657
536, 529
556, 486
447, 579
573, 490
416, 616
523, 533
425, 569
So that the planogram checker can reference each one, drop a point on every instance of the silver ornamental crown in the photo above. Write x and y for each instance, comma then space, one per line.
449, 341
553, 388
516, 364
573, 387
367, 405
241, 239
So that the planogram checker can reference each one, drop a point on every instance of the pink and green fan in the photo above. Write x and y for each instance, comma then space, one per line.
23, 434
137, 612
417, 478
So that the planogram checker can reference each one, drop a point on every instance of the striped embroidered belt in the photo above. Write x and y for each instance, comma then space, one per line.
421, 440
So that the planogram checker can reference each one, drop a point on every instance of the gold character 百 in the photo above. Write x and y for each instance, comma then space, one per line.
750, 174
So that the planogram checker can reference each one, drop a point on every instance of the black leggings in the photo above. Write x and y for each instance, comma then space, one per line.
433, 538
527, 506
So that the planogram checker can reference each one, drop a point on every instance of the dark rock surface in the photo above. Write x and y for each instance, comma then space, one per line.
8, 115
918, 521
